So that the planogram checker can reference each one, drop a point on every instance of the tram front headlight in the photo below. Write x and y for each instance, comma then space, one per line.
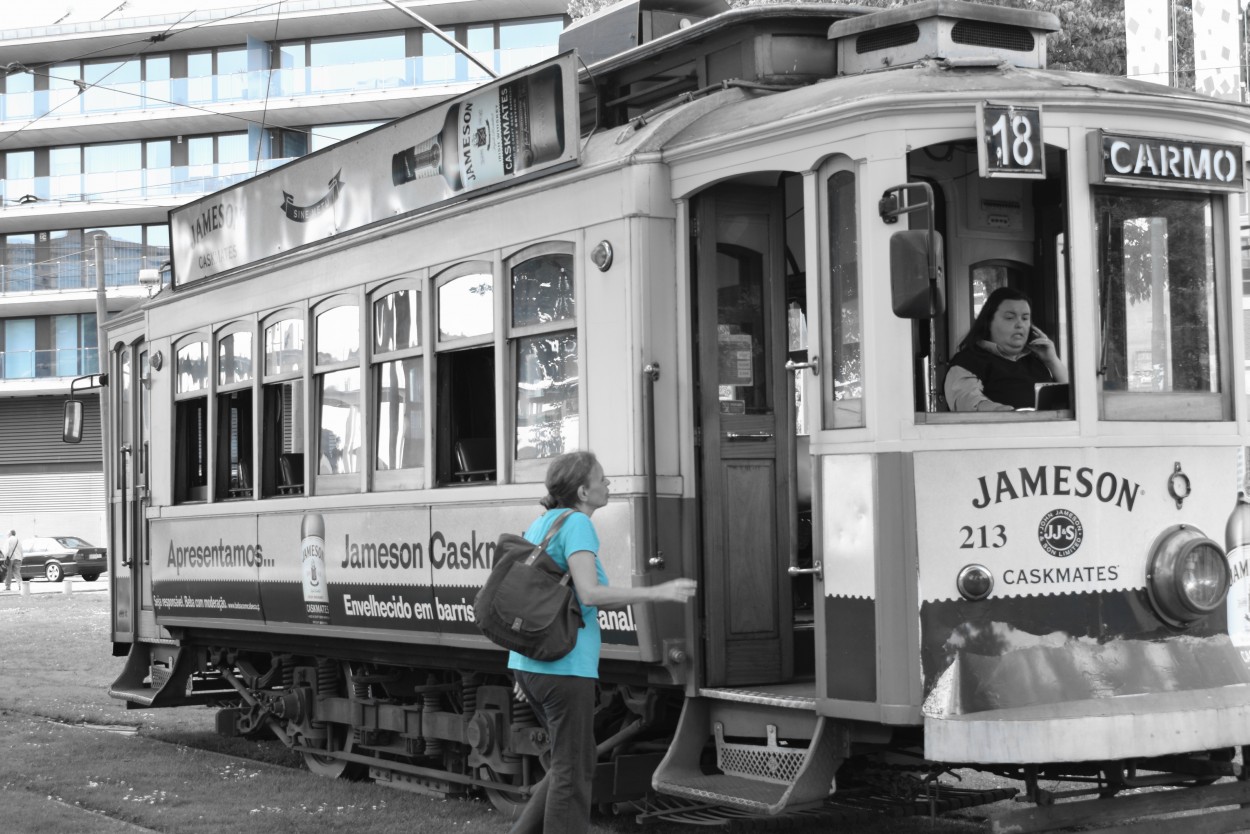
1187, 575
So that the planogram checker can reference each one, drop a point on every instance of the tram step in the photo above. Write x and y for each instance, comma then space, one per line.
144, 684
766, 778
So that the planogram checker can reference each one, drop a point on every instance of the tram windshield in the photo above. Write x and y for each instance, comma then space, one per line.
1159, 357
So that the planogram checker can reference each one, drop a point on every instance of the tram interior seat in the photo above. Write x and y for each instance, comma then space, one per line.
243, 486
476, 458
291, 473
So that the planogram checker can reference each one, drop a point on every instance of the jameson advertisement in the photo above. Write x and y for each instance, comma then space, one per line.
403, 571
514, 128
491, 135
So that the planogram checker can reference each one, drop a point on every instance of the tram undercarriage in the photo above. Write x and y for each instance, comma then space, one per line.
450, 733
440, 732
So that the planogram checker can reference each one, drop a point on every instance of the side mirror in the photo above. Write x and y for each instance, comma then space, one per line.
72, 427
916, 259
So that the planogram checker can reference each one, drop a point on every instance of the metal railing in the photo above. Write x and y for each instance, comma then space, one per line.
127, 186
76, 270
256, 85
46, 364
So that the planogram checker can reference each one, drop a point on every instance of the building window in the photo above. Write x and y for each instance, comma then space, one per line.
526, 42
19, 348
76, 339
282, 427
545, 351
323, 136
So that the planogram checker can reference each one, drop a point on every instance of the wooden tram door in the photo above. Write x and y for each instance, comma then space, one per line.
746, 435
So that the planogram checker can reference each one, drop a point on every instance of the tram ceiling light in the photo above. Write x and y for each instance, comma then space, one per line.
975, 582
1187, 575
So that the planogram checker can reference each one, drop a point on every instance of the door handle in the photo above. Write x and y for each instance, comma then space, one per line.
749, 436
813, 365
817, 570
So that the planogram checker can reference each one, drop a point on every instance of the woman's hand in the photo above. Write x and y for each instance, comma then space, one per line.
1043, 346
678, 590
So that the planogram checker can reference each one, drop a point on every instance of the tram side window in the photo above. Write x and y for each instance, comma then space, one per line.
337, 380
399, 381
234, 415
1156, 277
466, 434
844, 394
191, 422
545, 349
282, 426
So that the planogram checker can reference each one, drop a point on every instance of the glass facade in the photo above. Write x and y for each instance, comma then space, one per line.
42, 347
304, 67
57, 260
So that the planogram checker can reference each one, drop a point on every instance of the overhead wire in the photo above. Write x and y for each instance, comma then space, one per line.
197, 108
82, 88
148, 43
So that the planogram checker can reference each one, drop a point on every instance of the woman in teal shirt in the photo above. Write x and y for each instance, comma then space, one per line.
562, 692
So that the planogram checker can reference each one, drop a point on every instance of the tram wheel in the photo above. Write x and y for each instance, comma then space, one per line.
339, 738
509, 803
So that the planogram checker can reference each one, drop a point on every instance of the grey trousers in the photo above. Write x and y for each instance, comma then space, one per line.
565, 706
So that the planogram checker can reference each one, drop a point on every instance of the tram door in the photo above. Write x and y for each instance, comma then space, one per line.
745, 434
131, 581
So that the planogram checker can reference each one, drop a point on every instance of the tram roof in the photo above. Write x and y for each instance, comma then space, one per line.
922, 84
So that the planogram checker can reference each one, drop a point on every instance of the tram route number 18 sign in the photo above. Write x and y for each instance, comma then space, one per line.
1010, 141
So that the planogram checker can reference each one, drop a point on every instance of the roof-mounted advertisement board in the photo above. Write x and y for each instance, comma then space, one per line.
512, 129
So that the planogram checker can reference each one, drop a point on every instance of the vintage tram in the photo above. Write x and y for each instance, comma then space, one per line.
735, 261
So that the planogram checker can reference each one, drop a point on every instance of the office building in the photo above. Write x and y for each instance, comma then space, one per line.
107, 125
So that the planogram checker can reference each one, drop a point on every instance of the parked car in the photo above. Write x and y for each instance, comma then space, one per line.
56, 557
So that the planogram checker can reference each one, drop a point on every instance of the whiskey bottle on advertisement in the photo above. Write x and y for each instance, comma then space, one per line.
491, 135
437, 155
313, 568
1237, 548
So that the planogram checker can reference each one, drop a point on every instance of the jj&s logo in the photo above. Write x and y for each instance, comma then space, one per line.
1060, 533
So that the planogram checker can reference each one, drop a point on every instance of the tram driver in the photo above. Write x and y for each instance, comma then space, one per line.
1003, 358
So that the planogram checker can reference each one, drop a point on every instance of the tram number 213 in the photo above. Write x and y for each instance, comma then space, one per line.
983, 536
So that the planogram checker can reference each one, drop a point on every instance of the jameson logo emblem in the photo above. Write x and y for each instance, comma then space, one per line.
302, 214
1060, 533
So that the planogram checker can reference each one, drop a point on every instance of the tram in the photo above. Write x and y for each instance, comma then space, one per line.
733, 253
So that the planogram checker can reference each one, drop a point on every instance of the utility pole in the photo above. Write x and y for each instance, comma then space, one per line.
102, 355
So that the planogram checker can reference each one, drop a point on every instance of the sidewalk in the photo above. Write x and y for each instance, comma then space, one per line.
70, 585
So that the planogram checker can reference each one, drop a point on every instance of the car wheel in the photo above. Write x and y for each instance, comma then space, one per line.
91, 577
53, 571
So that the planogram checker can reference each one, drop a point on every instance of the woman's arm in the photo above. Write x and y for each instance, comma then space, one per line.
965, 392
590, 592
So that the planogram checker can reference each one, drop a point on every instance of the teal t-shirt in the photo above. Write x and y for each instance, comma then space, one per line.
578, 533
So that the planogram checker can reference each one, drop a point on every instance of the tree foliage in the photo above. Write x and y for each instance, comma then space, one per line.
1092, 38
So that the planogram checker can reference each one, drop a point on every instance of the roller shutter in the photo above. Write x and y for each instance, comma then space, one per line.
30, 434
